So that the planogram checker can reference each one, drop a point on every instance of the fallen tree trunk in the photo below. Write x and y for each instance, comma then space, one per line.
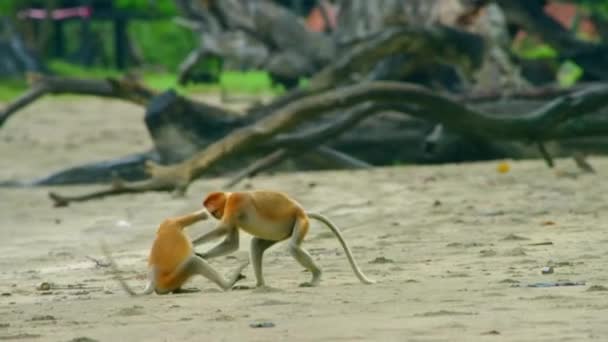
180, 127
544, 124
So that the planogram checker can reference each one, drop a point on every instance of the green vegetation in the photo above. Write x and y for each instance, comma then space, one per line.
568, 72
253, 82
161, 42
596, 6
10, 89
164, 7
530, 49
66, 69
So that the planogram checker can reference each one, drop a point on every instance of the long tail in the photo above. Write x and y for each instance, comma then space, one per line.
149, 287
349, 255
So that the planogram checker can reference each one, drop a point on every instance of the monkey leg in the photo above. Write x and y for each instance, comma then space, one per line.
227, 246
301, 255
212, 235
258, 246
197, 265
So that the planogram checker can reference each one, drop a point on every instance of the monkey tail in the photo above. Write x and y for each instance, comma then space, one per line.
115, 270
349, 255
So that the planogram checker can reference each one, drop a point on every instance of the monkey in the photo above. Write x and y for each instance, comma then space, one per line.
172, 261
270, 217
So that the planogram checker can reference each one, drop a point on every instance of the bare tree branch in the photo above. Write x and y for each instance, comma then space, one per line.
538, 126
125, 89
543, 152
259, 165
339, 159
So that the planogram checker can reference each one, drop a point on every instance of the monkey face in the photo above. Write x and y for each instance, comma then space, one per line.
215, 203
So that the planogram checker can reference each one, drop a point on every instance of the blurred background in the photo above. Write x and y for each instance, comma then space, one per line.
500, 59
106, 37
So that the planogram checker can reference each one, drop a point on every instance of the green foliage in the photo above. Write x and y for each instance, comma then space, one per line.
11, 89
162, 42
63, 68
247, 82
160, 7
569, 73
254, 82
8, 7
597, 6
164, 7
529, 48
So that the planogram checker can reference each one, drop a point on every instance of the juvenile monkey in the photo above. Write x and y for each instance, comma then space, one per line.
270, 217
172, 260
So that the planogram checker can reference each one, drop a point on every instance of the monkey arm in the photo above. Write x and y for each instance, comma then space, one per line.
229, 245
218, 232
187, 220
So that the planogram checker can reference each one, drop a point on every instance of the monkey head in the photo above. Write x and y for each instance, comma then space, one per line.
215, 203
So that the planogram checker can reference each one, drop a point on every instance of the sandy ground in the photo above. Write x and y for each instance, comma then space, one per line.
452, 248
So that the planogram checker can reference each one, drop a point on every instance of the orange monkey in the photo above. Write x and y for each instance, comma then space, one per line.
172, 260
270, 217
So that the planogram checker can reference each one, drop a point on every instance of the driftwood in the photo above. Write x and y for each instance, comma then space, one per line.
432, 45
125, 89
347, 116
298, 143
180, 127
264, 35
260, 35
544, 124
160, 180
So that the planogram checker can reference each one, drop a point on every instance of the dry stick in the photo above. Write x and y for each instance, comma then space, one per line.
160, 181
582, 163
299, 142
143, 186
539, 125
280, 155
548, 92
431, 140
30, 96
546, 156
259, 165
340, 158
329, 131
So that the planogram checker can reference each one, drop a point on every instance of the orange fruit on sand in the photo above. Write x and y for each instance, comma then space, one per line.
503, 167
